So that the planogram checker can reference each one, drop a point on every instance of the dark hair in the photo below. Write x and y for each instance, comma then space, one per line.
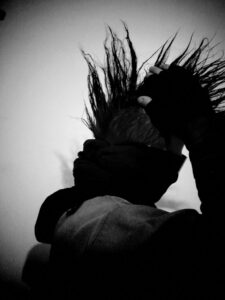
133, 125
117, 101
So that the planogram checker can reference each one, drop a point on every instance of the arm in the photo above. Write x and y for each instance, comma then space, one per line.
208, 162
183, 109
51, 210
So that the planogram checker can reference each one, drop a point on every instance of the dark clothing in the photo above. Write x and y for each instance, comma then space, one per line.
117, 248
112, 249
126, 171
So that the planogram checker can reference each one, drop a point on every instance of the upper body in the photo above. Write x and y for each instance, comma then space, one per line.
106, 229
109, 224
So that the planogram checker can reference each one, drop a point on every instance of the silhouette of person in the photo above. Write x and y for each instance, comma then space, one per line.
109, 240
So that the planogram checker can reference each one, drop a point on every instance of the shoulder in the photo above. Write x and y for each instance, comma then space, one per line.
61, 193
50, 211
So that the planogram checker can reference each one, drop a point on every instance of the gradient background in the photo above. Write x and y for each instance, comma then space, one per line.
42, 92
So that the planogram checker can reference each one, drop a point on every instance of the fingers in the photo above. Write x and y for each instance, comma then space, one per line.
158, 70
164, 66
144, 100
155, 70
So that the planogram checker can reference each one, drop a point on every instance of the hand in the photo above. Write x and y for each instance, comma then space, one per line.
172, 143
177, 105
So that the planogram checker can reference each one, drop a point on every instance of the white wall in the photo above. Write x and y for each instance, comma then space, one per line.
42, 88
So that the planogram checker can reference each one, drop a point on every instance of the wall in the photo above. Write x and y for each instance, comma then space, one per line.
42, 92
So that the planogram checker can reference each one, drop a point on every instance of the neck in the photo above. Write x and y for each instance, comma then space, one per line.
137, 173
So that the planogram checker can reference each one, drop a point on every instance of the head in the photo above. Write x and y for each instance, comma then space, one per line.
133, 125
115, 115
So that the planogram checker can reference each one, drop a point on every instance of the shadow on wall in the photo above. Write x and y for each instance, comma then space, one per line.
65, 170
2, 14
14, 291
35, 270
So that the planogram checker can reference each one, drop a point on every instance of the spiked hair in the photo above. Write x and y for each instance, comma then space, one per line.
123, 83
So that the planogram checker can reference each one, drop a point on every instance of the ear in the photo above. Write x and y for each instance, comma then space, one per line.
144, 100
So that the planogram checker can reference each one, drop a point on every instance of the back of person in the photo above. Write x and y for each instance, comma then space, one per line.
113, 249
109, 241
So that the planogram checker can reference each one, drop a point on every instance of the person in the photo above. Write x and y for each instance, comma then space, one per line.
109, 240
